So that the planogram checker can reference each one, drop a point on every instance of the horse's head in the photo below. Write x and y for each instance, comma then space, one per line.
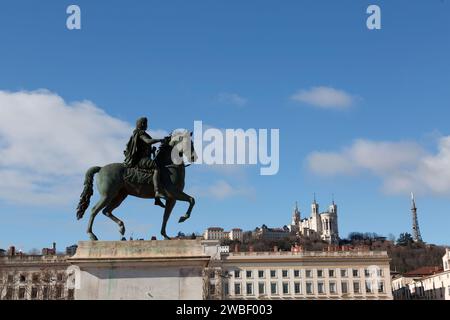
182, 146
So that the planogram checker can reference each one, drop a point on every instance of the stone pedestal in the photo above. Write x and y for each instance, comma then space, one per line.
141, 270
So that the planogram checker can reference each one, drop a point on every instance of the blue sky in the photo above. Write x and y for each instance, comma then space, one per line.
231, 64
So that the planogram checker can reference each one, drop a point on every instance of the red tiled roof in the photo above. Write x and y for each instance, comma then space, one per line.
424, 271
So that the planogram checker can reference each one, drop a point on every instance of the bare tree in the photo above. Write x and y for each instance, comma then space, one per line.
2, 283
206, 282
214, 281
48, 283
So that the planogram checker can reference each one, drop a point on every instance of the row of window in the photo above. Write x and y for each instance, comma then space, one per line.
310, 288
35, 277
332, 273
36, 293
420, 293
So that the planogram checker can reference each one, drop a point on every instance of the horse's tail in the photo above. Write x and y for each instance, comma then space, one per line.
88, 191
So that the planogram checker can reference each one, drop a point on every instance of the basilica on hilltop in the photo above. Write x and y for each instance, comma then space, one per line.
322, 225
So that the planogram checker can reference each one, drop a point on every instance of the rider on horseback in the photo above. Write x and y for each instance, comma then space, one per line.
138, 154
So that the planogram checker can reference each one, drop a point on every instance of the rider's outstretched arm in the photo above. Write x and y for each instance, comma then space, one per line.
150, 141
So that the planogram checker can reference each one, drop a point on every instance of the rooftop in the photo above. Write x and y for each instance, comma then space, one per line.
360, 257
23, 259
424, 271
312, 253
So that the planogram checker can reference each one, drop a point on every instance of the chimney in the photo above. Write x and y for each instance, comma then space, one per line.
12, 251
236, 247
54, 247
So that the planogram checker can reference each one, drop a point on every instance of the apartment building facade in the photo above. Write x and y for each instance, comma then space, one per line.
28, 277
361, 275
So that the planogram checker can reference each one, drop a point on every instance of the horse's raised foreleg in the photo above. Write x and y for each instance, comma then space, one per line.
95, 210
181, 196
110, 208
170, 204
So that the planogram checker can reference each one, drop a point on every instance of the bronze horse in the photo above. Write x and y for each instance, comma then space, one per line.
114, 188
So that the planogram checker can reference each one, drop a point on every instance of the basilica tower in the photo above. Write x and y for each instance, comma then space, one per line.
316, 223
296, 215
329, 219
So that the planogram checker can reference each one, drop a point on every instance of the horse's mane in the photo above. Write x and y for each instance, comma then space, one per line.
166, 147
179, 132
175, 133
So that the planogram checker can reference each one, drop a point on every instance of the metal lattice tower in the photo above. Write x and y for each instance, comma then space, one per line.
417, 237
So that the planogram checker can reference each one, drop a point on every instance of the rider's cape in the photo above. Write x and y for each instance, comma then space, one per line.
131, 152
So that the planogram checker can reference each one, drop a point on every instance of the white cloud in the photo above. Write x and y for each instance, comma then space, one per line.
325, 97
232, 98
329, 163
402, 166
235, 171
221, 190
47, 144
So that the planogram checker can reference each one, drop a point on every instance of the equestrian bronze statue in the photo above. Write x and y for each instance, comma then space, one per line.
142, 176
